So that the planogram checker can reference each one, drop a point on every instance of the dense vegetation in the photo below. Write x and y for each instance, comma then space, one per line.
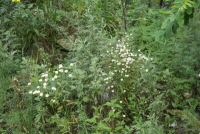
99, 67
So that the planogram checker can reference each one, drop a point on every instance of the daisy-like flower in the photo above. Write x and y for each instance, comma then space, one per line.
113, 90
70, 75
29, 84
55, 77
30, 92
38, 86
71, 64
120, 101
60, 70
126, 75
46, 95
46, 75
56, 72
41, 94
66, 71
146, 70
40, 80
53, 100
53, 88
44, 84
60, 66
124, 115
46, 79
36, 92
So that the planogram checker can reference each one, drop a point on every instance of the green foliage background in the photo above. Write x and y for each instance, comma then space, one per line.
99, 66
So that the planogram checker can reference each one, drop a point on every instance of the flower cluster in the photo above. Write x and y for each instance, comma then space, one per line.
122, 61
49, 82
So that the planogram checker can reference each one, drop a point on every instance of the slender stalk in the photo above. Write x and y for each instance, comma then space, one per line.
123, 6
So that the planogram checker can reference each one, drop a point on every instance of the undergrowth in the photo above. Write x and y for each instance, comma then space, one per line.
96, 66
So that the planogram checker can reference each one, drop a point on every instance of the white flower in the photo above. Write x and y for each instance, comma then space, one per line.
53, 100
118, 63
41, 94
124, 91
56, 72
146, 70
42, 75
124, 115
60, 66
139, 50
53, 88
46, 95
174, 124
53, 79
113, 90
70, 75
44, 84
71, 64
40, 80
38, 86
30, 92
45, 75
126, 75
36, 92
46, 79
44, 87
66, 71
29, 84
120, 101
121, 79
60, 70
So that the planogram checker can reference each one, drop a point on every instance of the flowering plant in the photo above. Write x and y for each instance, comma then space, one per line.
53, 86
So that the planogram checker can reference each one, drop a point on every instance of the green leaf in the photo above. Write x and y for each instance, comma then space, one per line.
168, 31
165, 23
111, 113
189, 10
172, 17
36, 31
103, 126
178, 1
179, 18
186, 19
86, 99
175, 27
191, 15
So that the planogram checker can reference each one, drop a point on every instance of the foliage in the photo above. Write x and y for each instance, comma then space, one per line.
99, 66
